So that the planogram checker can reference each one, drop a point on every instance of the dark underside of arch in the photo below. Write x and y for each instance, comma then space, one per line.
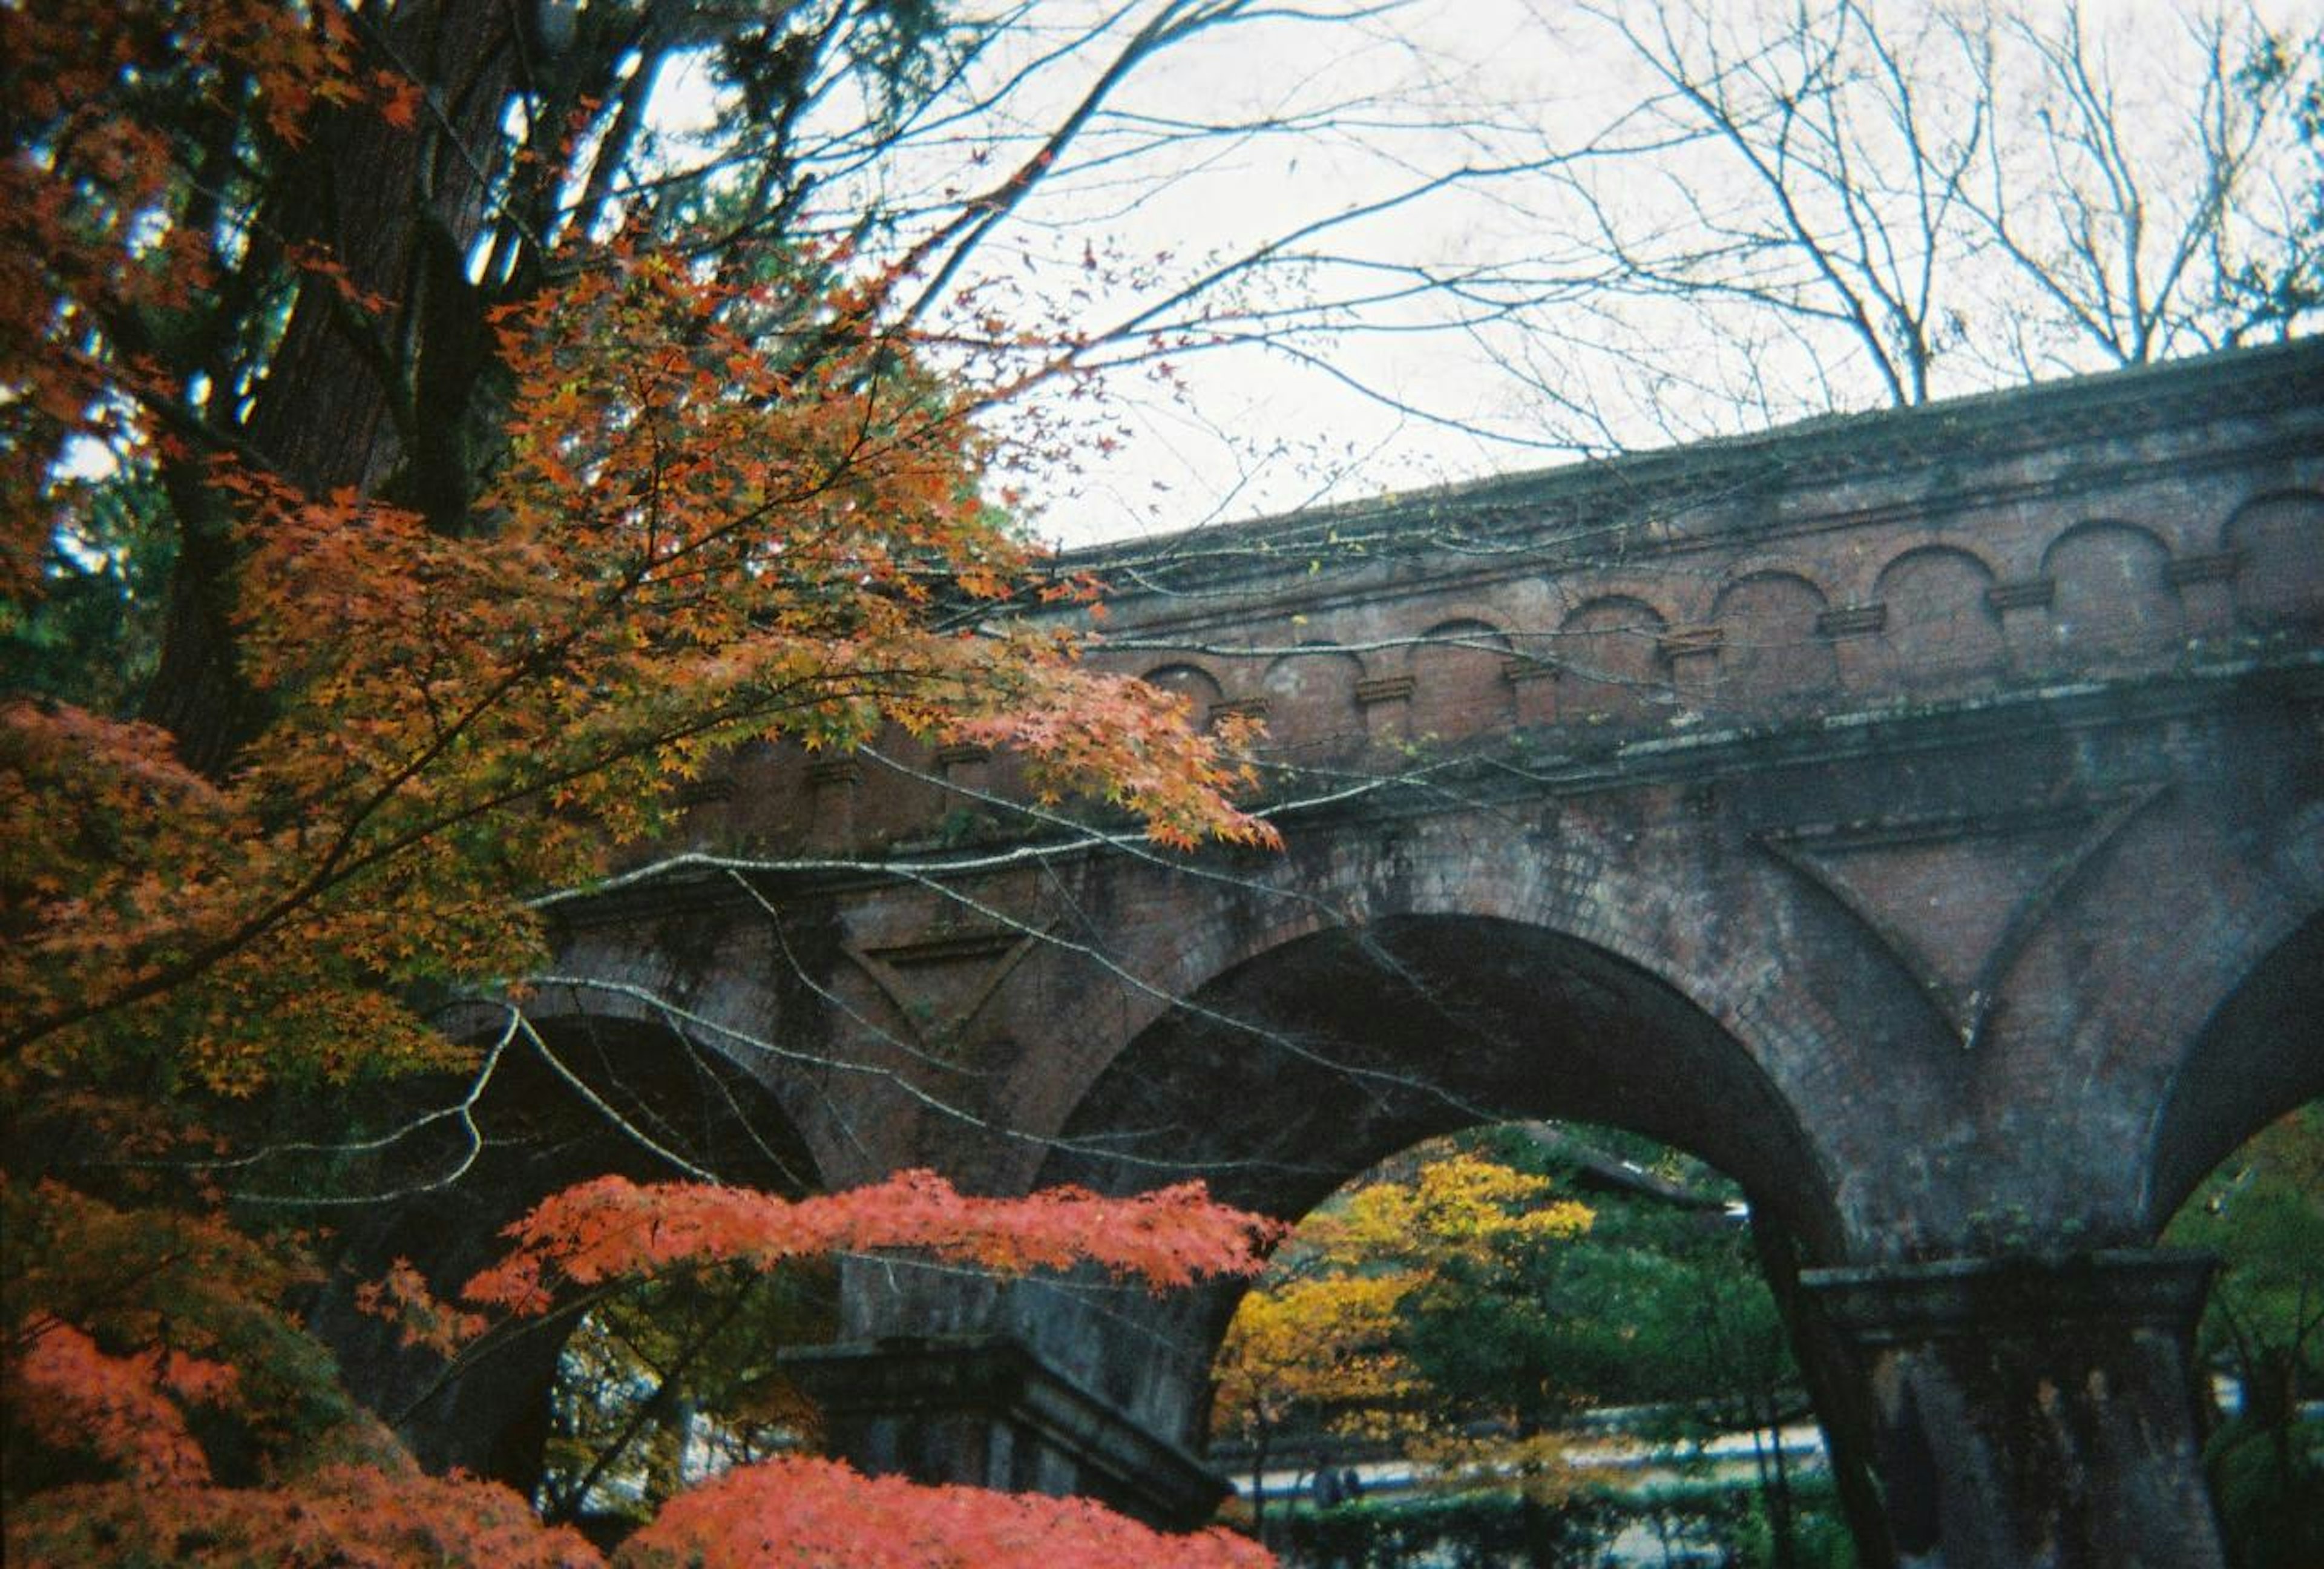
2260, 1055
1315, 1061
638, 1088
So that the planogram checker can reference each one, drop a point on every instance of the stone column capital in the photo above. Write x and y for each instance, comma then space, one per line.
2029, 1412
1946, 1298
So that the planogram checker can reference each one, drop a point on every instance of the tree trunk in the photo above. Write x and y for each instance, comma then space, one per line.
396, 207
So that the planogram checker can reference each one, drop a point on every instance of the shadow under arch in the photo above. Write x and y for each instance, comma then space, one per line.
2260, 1055
643, 1096
1317, 1059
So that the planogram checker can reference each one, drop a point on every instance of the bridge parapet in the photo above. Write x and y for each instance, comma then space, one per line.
2106, 527
2099, 531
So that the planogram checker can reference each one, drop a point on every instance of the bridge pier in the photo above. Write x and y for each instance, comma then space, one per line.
2032, 1413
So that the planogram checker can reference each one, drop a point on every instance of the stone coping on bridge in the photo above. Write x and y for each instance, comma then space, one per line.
1595, 500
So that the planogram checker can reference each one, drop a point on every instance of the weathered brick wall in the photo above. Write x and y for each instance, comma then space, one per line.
2086, 531
1914, 760
2122, 523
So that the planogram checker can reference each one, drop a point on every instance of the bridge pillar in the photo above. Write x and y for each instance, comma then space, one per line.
2032, 1414
985, 1410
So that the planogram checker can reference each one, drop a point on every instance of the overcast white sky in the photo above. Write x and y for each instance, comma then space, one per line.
1370, 108
1376, 100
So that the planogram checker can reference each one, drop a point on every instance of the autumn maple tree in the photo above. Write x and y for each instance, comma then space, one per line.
404, 492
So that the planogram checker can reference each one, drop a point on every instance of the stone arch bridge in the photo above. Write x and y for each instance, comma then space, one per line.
1919, 816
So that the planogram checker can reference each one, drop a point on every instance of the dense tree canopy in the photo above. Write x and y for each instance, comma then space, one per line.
1316, 1347
413, 473
1462, 1309
2262, 1212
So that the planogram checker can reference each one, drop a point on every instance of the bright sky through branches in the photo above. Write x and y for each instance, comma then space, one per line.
1399, 225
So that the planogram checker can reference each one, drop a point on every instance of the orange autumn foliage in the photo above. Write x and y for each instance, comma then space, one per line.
692, 548
348, 1517
351, 1498
770, 1513
614, 1228
710, 503
813, 1514
725, 508
74, 1396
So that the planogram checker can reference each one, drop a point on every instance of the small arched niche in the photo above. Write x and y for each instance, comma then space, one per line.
2279, 576
1197, 685
1312, 715
1940, 628
1610, 663
1772, 660
1460, 688
2113, 594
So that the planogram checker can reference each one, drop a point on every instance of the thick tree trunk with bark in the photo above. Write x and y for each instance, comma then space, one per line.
368, 389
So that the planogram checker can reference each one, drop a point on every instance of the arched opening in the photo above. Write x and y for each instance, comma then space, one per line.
580, 1096
1530, 1343
2260, 1348
1291, 1073
2260, 1055
1197, 685
664, 1383
2238, 1169
1296, 1070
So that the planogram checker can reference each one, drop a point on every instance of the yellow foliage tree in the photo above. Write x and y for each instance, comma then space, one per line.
1311, 1349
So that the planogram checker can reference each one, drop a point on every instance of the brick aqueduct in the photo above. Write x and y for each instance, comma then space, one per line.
1920, 816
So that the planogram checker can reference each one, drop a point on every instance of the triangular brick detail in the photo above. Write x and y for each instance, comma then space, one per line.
1955, 898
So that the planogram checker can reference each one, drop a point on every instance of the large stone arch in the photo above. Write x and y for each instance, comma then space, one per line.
1840, 1025
1195, 683
1316, 1059
1313, 1060
2108, 1068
